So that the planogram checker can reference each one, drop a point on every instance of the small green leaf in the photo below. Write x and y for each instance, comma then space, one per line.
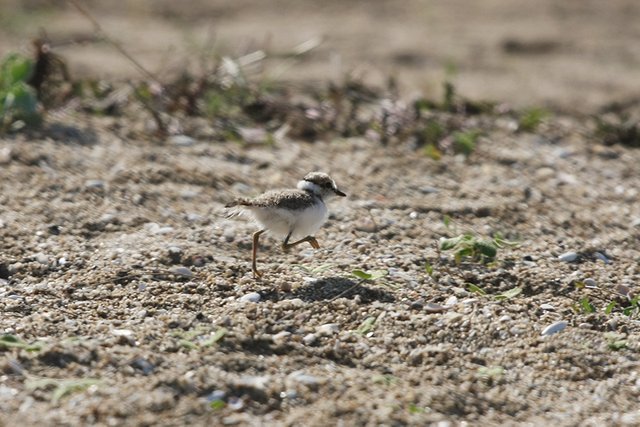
361, 274
486, 248
610, 307
414, 409
617, 345
377, 274
431, 151
586, 306
217, 404
188, 344
428, 268
511, 293
476, 289
220, 333
366, 326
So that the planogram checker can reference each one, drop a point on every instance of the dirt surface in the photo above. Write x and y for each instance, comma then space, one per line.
126, 295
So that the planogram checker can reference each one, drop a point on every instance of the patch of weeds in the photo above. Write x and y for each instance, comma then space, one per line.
192, 340
465, 142
511, 293
369, 275
530, 119
61, 388
476, 249
10, 341
615, 341
619, 129
18, 100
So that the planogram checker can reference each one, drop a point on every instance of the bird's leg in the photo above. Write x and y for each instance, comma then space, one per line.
254, 250
312, 241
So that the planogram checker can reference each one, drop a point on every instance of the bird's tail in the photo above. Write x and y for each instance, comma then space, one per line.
235, 207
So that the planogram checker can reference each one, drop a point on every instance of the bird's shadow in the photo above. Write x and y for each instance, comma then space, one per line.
328, 288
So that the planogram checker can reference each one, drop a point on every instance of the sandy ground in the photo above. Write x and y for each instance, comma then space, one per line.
126, 295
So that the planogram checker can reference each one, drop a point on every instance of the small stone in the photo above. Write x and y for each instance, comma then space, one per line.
585, 325
253, 135
602, 257
301, 378
590, 283
309, 339
505, 318
623, 290
250, 297
451, 301
122, 332
142, 365
256, 382
554, 327
428, 190
42, 258
216, 395
182, 140
281, 337
417, 305
5, 155
547, 307
568, 257
432, 307
94, 184
327, 329
181, 271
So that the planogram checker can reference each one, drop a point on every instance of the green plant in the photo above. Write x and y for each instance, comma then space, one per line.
615, 341
11, 341
62, 388
586, 306
470, 246
465, 142
530, 119
369, 275
18, 100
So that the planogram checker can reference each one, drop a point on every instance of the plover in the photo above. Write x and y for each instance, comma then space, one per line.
289, 214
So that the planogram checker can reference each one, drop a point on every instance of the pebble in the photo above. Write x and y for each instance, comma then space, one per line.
554, 327
309, 339
142, 365
432, 307
590, 283
42, 258
623, 290
181, 271
505, 318
585, 325
250, 297
568, 256
451, 301
428, 190
306, 379
280, 336
94, 183
122, 332
327, 329
5, 155
182, 140
256, 382
602, 257
548, 307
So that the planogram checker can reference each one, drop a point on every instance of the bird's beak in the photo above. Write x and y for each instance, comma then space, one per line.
340, 193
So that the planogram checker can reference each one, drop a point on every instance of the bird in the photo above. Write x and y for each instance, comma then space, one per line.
289, 214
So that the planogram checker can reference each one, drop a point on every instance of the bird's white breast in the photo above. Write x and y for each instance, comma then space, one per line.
280, 221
